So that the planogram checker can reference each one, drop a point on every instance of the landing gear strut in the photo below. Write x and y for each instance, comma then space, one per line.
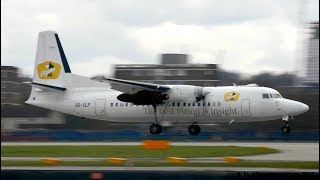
286, 128
194, 129
155, 128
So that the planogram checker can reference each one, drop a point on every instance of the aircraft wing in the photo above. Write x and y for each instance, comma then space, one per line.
132, 87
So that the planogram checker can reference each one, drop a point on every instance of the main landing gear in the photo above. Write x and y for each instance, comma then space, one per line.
194, 129
286, 128
155, 128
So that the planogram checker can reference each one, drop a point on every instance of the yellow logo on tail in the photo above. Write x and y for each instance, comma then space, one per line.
48, 70
231, 96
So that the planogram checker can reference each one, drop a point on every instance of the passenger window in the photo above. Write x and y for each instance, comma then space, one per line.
208, 103
265, 96
204, 104
214, 104
178, 104
184, 104
193, 104
172, 104
131, 104
126, 104
116, 104
121, 104
270, 95
219, 103
111, 104
198, 104
189, 104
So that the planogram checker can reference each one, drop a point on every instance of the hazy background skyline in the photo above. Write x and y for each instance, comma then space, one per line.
242, 36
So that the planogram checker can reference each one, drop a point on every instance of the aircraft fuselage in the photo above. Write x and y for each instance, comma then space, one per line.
101, 103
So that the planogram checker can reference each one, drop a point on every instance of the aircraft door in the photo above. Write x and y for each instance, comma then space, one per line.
101, 107
245, 107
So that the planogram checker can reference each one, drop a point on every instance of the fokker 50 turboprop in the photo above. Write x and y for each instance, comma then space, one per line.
54, 87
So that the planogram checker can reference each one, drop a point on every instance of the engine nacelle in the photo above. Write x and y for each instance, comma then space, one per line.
187, 93
177, 93
144, 98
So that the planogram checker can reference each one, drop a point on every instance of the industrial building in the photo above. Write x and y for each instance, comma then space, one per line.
174, 69
15, 114
312, 78
10, 86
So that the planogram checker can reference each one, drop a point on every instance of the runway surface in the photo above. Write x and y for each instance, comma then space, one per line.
288, 151
166, 169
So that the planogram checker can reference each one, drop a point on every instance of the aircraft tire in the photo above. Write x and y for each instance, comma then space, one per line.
286, 129
194, 130
155, 128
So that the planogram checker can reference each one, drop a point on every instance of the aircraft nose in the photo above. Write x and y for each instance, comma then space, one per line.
304, 107
294, 107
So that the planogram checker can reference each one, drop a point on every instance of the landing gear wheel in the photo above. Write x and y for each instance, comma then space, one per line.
194, 129
155, 128
286, 129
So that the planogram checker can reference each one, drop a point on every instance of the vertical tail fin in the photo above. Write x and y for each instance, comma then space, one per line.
51, 63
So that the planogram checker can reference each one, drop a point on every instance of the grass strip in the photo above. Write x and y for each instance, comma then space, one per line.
130, 151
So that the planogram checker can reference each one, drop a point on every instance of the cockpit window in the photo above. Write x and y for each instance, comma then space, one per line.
265, 96
276, 96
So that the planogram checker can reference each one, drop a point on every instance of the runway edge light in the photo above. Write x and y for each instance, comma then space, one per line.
176, 160
231, 159
117, 160
51, 161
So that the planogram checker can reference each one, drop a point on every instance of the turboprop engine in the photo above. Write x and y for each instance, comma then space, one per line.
187, 93
177, 93
144, 98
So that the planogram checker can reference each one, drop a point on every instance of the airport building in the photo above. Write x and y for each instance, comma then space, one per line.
312, 78
15, 114
10, 91
174, 69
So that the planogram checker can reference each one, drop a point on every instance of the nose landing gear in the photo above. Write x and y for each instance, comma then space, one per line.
286, 128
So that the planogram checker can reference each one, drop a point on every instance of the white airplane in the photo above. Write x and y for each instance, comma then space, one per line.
54, 87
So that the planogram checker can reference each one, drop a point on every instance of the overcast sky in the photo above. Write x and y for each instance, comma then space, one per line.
247, 36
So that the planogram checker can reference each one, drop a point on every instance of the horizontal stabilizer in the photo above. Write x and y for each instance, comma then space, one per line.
48, 87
